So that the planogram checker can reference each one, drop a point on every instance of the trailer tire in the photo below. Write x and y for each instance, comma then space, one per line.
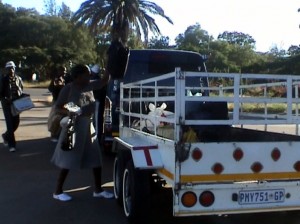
119, 166
117, 176
136, 193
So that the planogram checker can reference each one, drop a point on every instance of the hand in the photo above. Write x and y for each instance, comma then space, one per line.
8, 100
75, 113
105, 78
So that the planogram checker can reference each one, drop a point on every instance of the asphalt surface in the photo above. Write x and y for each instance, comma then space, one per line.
27, 181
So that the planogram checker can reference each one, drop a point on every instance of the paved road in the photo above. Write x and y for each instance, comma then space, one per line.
39, 94
27, 180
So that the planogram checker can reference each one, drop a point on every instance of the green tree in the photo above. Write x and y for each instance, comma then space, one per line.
194, 39
161, 42
237, 38
294, 50
21, 11
38, 42
120, 16
102, 45
218, 57
50, 7
27, 31
241, 56
134, 41
7, 16
65, 12
277, 52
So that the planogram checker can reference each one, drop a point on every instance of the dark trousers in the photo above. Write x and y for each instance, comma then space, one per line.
12, 123
99, 114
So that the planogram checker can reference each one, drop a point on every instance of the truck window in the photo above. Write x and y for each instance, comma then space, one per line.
148, 64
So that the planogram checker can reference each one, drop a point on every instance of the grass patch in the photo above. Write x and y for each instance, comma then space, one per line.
275, 108
272, 108
44, 84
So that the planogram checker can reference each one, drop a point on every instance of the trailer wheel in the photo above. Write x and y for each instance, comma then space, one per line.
117, 175
136, 192
120, 162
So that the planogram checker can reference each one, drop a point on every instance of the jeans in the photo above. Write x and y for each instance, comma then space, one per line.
12, 123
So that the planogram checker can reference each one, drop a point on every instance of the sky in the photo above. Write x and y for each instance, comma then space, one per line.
269, 22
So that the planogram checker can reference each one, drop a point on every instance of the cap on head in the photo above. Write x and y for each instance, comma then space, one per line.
10, 64
95, 69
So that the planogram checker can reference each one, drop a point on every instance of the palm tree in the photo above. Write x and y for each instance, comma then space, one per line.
119, 17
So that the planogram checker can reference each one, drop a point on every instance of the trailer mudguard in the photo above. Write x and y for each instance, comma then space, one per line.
145, 155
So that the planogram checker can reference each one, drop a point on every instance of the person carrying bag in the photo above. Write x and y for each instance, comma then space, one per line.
78, 147
11, 89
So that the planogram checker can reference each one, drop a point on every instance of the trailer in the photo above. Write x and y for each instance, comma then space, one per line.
201, 140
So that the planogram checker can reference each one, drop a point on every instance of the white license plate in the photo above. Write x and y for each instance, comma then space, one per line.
261, 196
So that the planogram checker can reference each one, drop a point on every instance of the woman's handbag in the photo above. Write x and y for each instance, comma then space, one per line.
68, 124
68, 141
21, 104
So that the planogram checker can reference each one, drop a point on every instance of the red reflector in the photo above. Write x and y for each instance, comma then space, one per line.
218, 168
256, 167
197, 154
189, 199
206, 199
297, 166
276, 154
238, 154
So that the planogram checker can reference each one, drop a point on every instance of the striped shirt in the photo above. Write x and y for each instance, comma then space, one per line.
16, 87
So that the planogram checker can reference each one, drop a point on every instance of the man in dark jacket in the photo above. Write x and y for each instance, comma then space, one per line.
11, 88
100, 96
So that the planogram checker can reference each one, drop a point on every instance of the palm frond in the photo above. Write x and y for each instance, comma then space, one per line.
118, 16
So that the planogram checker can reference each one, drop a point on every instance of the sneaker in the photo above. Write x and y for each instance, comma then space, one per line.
62, 197
5, 143
103, 194
12, 149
